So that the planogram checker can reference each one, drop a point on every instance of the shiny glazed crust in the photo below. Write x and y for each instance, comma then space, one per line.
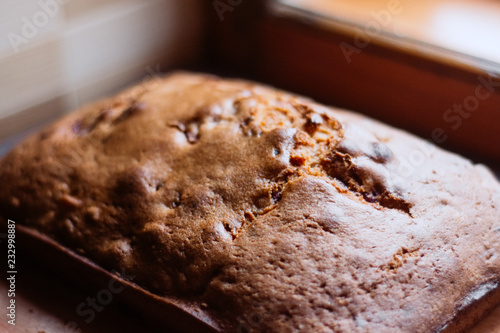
263, 211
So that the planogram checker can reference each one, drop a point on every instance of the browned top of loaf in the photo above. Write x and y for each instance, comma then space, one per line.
275, 212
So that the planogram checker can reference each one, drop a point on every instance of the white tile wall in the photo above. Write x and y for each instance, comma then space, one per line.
29, 20
81, 50
32, 76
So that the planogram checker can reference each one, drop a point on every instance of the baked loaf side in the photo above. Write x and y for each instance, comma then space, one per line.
263, 209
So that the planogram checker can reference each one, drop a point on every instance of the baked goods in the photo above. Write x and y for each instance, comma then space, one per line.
263, 211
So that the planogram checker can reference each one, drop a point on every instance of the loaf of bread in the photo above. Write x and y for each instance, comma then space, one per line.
254, 210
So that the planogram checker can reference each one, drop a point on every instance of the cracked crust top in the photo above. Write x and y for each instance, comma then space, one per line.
265, 210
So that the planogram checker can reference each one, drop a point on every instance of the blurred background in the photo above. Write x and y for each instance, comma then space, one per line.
56, 55
431, 67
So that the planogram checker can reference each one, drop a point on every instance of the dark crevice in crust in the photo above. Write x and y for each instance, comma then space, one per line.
317, 152
133, 109
327, 157
340, 166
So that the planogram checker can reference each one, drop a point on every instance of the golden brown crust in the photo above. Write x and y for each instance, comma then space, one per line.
273, 212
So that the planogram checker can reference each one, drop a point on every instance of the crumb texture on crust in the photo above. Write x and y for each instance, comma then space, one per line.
270, 211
